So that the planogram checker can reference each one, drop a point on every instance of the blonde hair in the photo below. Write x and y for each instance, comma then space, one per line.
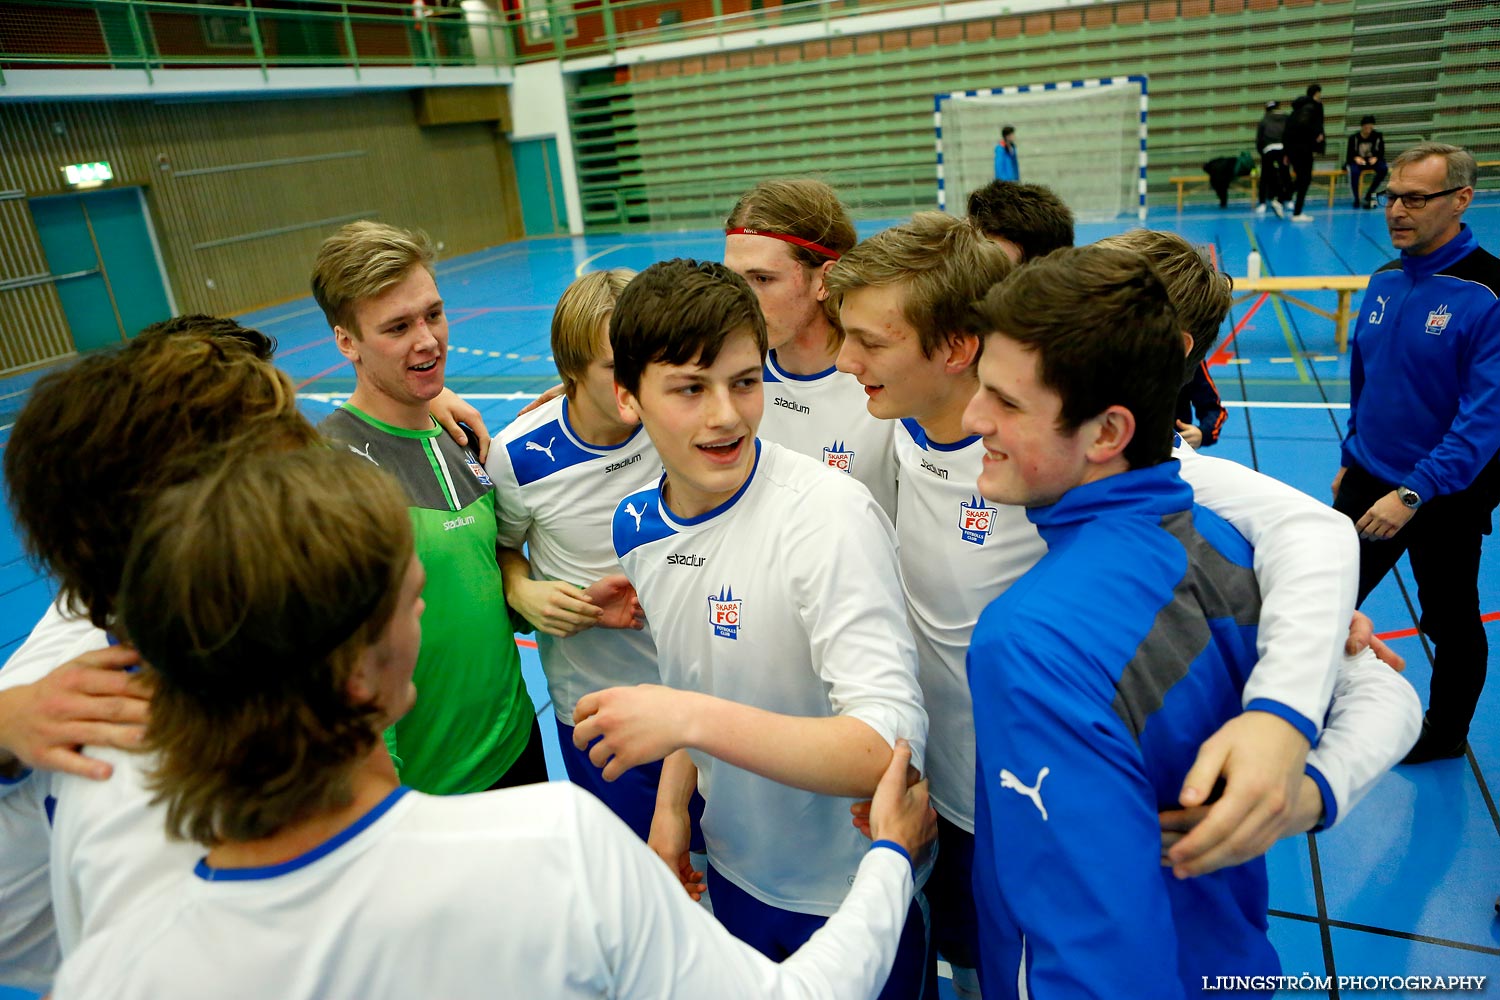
252, 594
944, 262
362, 260
585, 304
1200, 292
1461, 168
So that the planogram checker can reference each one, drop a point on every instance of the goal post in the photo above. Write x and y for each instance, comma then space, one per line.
1084, 139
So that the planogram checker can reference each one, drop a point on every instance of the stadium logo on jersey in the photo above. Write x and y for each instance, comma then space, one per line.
1437, 320
533, 446
622, 464
1032, 792
975, 520
787, 404
839, 457
365, 453
458, 522
478, 470
725, 614
637, 514
940, 473
685, 560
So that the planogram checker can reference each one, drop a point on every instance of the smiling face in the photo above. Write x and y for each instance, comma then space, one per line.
400, 352
1028, 460
702, 421
790, 294
1422, 230
884, 352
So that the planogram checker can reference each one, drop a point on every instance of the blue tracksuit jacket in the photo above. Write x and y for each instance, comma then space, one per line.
1095, 679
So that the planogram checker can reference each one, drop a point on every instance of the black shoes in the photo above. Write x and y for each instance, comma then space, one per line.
1434, 746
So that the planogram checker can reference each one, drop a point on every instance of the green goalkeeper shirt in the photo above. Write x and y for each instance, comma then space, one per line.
472, 716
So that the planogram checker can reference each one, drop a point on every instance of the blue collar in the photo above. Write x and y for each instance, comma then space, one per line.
1443, 257
1153, 492
209, 873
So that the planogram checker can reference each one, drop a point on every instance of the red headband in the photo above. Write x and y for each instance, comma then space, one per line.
783, 237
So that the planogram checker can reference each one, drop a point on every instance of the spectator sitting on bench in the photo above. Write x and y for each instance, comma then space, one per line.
1366, 151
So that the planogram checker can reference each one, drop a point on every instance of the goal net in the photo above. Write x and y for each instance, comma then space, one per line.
1084, 139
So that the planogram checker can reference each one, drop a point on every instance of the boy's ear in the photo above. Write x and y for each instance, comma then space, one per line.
626, 403
344, 341
1112, 430
962, 349
361, 687
1187, 344
823, 270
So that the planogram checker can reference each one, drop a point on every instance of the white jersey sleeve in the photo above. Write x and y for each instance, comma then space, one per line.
1307, 564
825, 417
1373, 721
787, 597
557, 494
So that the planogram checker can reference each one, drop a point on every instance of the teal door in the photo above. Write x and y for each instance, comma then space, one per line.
103, 262
539, 177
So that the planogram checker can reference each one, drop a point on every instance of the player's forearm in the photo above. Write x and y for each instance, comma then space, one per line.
514, 569
678, 782
836, 755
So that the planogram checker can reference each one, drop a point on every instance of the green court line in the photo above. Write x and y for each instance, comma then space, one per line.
1286, 327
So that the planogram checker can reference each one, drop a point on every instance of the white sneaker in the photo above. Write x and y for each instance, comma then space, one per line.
1302, 218
1276, 207
1260, 209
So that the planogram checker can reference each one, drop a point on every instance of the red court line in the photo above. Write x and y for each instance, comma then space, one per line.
1221, 355
526, 643
1407, 633
304, 347
327, 371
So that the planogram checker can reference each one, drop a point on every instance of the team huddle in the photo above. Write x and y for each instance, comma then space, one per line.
884, 617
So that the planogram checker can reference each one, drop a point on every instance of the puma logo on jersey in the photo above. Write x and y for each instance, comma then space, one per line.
787, 404
637, 514
1032, 792
533, 446
1376, 318
365, 453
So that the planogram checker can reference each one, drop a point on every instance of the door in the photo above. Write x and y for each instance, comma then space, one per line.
103, 258
539, 177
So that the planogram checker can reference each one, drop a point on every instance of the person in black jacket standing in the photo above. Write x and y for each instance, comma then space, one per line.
1365, 151
1304, 138
1275, 184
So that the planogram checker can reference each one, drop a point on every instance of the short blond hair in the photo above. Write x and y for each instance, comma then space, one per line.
945, 263
1459, 162
362, 260
585, 304
1200, 292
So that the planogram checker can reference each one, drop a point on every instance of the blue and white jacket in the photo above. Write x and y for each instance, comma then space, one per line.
1095, 678
1424, 371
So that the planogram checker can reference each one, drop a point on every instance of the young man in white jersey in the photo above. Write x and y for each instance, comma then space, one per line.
903, 296
324, 877
559, 473
782, 237
143, 417
772, 589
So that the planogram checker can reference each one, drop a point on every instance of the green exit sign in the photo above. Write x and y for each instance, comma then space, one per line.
81, 175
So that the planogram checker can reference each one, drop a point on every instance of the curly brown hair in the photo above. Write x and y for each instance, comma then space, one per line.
97, 441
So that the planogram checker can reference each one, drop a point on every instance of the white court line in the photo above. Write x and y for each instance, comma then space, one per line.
329, 397
1253, 405
6, 428
290, 315
578, 271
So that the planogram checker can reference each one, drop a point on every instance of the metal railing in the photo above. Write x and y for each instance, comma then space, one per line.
152, 35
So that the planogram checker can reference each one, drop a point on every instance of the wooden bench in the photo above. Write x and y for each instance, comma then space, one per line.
1344, 284
1201, 180
1342, 175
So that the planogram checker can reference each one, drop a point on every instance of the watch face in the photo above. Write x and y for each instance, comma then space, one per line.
1409, 498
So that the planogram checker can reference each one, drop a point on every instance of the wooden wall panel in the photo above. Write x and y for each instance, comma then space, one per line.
242, 192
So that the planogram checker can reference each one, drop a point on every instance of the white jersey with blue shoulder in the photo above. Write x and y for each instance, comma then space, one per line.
824, 417
785, 597
557, 494
959, 552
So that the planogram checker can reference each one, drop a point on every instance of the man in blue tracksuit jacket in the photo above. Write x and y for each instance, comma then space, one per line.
1419, 471
1096, 677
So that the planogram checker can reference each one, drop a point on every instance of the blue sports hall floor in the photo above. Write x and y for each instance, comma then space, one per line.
1406, 886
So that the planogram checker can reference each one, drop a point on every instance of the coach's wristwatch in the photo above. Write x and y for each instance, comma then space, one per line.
1409, 497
